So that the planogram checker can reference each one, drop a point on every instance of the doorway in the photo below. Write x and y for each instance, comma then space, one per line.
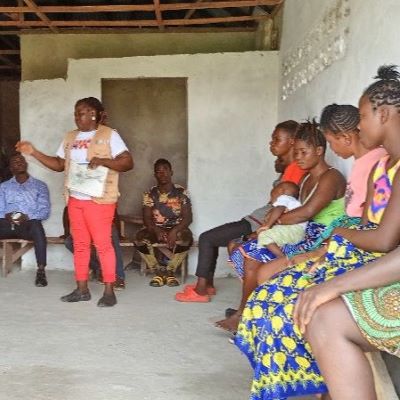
151, 117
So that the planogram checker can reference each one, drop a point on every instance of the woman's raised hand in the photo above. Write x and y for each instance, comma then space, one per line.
24, 147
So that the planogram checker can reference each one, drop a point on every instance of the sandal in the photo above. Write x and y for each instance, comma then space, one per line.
190, 296
172, 281
157, 281
211, 291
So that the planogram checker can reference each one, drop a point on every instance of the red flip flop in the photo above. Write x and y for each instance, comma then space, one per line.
190, 296
211, 291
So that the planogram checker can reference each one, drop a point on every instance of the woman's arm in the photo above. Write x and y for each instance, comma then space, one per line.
378, 273
122, 163
370, 195
387, 236
54, 163
331, 183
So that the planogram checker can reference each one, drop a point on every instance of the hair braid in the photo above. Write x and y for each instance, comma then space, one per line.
338, 118
385, 91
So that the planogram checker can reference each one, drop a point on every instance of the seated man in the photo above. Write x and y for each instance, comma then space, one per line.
167, 213
24, 203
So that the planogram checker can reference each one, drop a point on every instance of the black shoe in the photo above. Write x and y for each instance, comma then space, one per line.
40, 280
108, 300
75, 296
229, 312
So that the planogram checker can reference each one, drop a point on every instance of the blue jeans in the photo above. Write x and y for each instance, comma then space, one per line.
94, 261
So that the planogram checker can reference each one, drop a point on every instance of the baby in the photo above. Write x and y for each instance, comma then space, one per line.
283, 198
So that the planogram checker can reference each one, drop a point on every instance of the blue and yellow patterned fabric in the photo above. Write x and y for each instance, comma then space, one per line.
281, 358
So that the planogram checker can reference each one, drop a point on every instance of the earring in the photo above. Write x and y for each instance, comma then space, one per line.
93, 118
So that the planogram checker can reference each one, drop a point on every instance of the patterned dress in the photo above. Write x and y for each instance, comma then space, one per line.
281, 358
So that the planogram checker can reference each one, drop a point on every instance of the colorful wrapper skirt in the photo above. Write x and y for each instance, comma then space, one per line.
281, 358
377, 314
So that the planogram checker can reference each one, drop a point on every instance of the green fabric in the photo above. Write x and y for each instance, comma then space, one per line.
333, 210
377, 314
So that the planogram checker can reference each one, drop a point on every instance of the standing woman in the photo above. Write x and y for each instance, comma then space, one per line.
90, 217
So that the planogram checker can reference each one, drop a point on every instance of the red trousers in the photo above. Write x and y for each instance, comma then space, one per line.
91, 222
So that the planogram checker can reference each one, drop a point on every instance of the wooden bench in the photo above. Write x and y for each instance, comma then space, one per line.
13, 249
384, 386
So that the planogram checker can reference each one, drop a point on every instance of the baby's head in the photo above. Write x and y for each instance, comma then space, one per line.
287, 188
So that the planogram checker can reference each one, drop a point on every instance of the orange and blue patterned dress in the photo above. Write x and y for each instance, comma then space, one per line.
281, 358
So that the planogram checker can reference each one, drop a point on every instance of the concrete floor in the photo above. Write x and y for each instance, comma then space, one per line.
147, 347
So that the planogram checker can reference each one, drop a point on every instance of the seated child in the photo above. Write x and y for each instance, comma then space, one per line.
283, 199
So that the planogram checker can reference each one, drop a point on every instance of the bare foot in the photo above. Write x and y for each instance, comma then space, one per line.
229, 324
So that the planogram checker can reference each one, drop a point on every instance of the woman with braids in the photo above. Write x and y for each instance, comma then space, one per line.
90, 217
365, 301
322, 197
281, 357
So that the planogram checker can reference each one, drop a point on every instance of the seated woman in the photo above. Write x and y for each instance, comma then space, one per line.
322, 197
282, 360
366, 302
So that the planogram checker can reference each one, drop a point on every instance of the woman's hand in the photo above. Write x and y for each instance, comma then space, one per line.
310, 300
24, 147
96, 161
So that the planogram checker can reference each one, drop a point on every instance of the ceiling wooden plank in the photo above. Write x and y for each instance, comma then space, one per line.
9, 52
158, 14
189, 13
143, 7
32, 5
9, 63
133, 23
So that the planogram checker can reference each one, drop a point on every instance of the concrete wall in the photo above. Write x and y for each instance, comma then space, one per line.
372, 41
38, 49
232, 109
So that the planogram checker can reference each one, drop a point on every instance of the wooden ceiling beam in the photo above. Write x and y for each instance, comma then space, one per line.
158, 14
189, 13
32, 5
9, 52
141, 7
9, 63
133, 23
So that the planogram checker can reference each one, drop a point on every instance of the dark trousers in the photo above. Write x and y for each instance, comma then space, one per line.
211, 240
28, 230
94, 263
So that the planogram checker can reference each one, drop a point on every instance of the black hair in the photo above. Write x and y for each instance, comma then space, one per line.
310, 133
338, 118
162, 161
94, 103
386, 90
289, 126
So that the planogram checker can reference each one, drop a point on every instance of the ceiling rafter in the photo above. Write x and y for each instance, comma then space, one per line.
104, 16
33, 7
158, 14
136, 23
140, 7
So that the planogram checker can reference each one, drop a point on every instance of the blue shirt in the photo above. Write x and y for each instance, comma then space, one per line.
31, 198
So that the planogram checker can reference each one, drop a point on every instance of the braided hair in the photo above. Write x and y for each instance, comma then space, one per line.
310, 133
386, 90
94, 103
338, 118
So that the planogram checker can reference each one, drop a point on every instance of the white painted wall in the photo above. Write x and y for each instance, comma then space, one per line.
232, 105
373, 40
